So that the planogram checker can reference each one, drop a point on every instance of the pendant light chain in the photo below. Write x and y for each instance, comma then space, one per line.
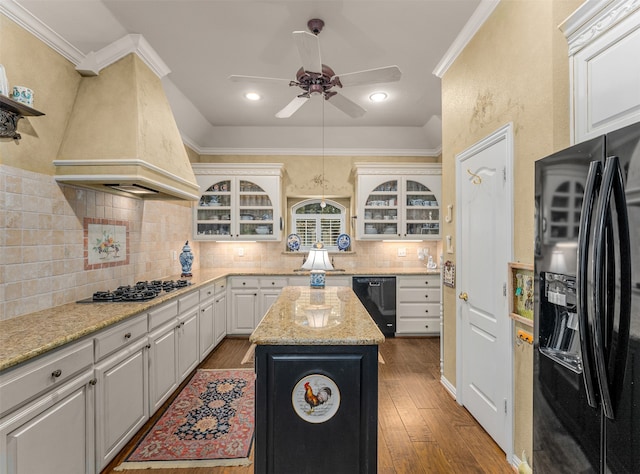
323, 204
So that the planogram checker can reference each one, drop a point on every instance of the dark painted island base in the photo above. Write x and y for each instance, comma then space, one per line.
316, 409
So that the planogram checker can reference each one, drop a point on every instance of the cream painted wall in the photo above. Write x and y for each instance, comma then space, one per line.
515, 69
54, 80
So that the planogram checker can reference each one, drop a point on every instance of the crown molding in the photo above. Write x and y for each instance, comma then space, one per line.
317, 151
593, 18
92, 63
33, 25
469, 30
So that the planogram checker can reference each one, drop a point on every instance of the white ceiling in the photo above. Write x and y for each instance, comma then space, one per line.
202, 42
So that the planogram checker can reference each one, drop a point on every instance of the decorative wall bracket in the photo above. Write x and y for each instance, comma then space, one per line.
10, 112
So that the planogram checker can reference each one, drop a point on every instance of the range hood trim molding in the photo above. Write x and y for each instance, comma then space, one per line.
123, 162
96, 182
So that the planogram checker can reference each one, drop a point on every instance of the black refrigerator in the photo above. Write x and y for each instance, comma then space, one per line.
586, 387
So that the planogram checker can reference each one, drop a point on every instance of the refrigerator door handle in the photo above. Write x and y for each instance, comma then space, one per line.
610, 384
582, 278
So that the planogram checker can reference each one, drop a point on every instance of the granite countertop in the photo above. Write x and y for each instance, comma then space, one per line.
31, 335
303, 316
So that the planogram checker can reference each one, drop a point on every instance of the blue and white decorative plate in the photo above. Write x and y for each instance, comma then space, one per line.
293, 242
343, 242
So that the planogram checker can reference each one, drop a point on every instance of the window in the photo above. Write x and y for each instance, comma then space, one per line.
314, 224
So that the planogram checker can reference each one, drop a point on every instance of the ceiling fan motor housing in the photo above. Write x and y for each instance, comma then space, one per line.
314, 83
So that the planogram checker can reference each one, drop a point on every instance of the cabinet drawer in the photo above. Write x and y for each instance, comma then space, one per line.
220, 286
419, 326
418, 310
207, 292
188, 301
426, 281
275, 282
26, 381
418, 295
109, 341
245, 283
161, 315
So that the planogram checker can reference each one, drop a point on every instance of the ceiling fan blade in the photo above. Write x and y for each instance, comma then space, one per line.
292, 107
309, 50
346, 105
370, 76
256, 79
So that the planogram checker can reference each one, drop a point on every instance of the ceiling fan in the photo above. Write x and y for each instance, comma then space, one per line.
317, 78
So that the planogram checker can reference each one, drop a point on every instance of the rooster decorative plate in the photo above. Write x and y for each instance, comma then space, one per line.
293, 242
315, 398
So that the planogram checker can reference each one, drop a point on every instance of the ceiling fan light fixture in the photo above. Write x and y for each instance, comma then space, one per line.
378, 97
252, 96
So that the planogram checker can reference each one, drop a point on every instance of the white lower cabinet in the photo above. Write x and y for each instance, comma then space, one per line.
188, 356
122, 399
54, 431
418, 305
220, 311
206, 321
244, 305
163, 355
251, 298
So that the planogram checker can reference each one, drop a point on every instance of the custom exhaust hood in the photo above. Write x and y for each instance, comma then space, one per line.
122, 137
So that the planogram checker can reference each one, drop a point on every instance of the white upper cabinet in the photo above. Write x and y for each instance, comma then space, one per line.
604, 41
238, 202
399, 202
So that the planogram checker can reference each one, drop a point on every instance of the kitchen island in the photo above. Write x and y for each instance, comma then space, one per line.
316, 361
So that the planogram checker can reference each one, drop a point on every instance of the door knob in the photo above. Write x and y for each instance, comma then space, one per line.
463, 296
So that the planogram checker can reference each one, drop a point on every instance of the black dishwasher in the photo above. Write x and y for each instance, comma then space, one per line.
378, 296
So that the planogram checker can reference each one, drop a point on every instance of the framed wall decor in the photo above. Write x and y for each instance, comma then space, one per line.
521, 299
449, 274
106, 243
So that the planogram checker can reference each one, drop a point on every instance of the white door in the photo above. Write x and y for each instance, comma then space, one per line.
484, 370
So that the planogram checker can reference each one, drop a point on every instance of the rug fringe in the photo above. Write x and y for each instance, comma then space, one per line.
125, 466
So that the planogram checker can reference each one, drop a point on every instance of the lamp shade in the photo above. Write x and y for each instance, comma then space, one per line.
318, 258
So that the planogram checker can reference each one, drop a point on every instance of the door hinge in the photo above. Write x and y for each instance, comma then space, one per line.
504, 289
504, 174
505, 405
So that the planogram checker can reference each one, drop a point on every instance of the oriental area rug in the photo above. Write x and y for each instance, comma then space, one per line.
210, 423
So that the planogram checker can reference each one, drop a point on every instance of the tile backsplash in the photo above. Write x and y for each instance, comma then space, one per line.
42, 245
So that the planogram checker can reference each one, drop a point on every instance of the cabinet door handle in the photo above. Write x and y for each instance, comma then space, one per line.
93, 381
148, 346
244, 282
208, 293
127, 335
56, 373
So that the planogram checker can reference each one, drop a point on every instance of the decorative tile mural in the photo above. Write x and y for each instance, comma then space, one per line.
106, 243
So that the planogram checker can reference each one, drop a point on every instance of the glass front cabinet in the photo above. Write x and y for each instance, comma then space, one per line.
399, 202
238, 202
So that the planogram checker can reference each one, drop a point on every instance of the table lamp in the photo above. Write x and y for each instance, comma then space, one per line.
317, 262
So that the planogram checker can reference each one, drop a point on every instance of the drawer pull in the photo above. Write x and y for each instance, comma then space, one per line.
127, 335
209, 293
426, 282
56, 373
203, 310
244, 282
426, 310
426, 296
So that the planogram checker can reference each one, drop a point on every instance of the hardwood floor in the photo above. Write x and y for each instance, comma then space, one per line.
421, 429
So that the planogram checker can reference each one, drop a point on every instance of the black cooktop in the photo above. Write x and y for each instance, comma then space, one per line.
141, 291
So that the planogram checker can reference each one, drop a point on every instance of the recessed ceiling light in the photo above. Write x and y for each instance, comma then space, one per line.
252, 96
378, 97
